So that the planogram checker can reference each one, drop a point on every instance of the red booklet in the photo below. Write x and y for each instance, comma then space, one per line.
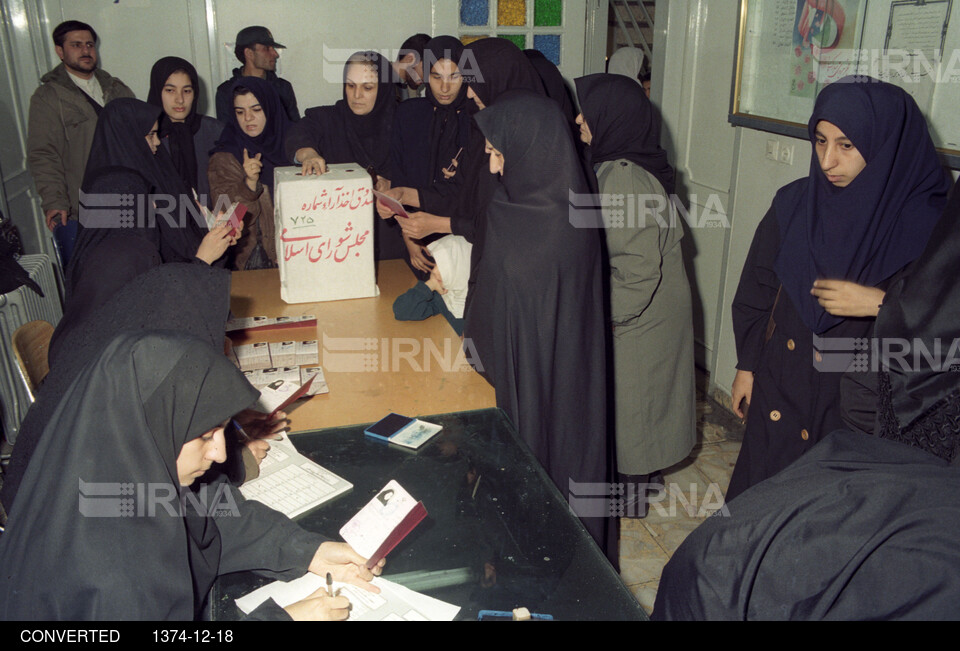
383, 523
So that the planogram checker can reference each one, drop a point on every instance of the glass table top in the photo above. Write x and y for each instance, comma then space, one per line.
498, 534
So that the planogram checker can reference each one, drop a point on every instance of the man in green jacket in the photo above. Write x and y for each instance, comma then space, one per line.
63, 117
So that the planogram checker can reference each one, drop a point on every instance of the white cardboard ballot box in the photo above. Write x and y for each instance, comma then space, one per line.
324, 234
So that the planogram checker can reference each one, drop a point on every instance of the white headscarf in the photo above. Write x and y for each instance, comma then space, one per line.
626, 61
452, 255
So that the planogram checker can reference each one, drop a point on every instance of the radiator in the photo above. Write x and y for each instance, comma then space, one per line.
16, 308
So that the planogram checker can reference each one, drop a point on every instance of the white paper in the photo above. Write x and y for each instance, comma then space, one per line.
394, 603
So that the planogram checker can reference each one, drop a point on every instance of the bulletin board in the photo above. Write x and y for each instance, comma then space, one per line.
787, 50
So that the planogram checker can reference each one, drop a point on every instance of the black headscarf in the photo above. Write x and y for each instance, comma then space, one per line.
535, 313
491, 67
623, 124
120, 426
553, 82
870, 229
497, 65
450, 128
179, 134
188, 298
120, 140
340, 135
270, 143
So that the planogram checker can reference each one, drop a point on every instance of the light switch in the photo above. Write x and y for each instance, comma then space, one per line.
773, 149
786, 154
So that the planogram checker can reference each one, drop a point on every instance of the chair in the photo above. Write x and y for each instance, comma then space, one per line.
31, 342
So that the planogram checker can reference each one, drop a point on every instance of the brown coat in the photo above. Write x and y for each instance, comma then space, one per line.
227, 178
59, 135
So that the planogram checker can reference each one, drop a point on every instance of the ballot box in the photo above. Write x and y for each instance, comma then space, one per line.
325, 234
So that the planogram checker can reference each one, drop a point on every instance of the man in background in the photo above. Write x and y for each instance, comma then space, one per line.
257, 51
409, 65
63, 117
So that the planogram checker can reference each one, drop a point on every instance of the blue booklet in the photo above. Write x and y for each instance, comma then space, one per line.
403, 430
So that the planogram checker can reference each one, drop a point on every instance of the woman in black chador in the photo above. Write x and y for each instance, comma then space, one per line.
131, 437
536, 316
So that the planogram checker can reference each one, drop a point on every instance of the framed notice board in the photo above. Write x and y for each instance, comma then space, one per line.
787, 50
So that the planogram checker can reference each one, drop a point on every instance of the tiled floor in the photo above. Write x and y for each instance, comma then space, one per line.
693, 490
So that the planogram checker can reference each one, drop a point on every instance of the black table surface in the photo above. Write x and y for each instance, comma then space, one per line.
498, 534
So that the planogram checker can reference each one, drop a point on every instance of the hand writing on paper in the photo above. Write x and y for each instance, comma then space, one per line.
319, 607
345, 565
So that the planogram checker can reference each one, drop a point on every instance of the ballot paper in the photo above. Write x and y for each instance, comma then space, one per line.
394, 603
291, 483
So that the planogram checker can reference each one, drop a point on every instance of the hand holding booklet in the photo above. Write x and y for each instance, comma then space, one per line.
383, 522
391, 203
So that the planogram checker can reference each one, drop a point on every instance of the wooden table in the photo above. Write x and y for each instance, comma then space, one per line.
373, 363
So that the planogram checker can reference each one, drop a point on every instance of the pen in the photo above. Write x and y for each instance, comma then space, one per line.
246, 437
329, 584
449, 167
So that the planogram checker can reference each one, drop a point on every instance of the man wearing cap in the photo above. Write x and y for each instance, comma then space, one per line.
257, 51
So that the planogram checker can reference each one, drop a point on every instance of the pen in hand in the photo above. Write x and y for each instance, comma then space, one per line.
329, 585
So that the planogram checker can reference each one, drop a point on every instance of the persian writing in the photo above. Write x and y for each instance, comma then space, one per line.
352, 199
318, 248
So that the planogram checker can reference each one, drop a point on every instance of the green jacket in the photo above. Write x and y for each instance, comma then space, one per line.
60, 133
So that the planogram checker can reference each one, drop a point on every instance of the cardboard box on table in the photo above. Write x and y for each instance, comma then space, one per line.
325, 234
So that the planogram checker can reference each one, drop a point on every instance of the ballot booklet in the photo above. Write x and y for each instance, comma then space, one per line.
403, 430
383, 522
393, 603
291, 483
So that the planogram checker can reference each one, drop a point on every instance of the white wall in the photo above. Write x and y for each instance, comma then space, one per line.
717, 164
135, 33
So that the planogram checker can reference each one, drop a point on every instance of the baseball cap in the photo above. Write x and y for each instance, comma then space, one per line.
249, 36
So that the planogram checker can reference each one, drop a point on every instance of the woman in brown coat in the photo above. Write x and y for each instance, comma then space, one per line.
242, 164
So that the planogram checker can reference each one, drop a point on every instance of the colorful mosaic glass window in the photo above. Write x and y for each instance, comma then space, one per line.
468, 39
520, 40
526, 24
511, 13
549, 45
548, 13
474, 12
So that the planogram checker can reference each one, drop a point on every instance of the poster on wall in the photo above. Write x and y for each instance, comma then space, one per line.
788, 50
